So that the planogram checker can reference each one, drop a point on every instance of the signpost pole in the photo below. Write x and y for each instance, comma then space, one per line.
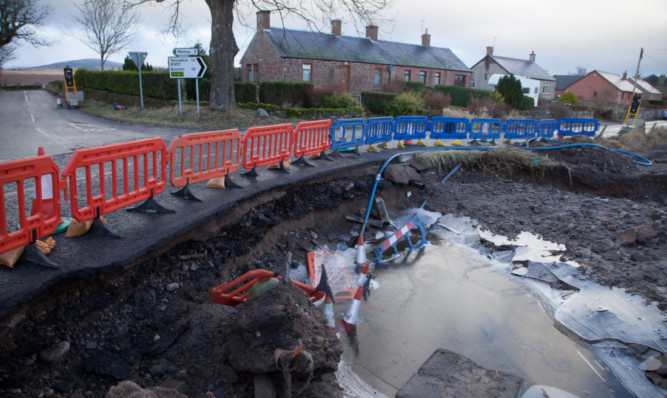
141, 89
197, 88
180, 109
138, 59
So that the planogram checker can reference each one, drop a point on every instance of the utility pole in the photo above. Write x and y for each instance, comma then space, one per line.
633, 109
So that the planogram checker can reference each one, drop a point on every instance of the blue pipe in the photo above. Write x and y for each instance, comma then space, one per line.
378, 177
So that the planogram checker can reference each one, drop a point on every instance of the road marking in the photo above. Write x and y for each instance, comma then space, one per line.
90, 128
591, 366
27, 103
47, 135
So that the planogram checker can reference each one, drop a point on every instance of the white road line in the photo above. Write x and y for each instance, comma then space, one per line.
47, 135
25, 95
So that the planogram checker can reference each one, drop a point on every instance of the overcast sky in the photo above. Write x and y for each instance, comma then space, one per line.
594, 34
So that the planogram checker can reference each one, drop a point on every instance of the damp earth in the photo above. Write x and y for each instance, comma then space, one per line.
151, 326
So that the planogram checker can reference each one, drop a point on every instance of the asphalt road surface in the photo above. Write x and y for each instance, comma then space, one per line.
30, 119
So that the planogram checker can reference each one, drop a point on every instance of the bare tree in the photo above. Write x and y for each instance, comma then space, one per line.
18, 19
223, 46
109, 25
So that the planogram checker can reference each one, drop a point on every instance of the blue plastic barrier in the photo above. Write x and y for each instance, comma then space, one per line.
485, 128
546, 128
410, 128
347, 133
573, 126
520, 129
390, 243
449, 128
379, 130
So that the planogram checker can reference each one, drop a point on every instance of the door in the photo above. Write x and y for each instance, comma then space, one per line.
345, 78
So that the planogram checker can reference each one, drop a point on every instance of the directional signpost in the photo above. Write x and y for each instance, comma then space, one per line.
186, 65
138, 59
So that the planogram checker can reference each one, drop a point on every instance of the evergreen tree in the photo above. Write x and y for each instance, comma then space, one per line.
510, 88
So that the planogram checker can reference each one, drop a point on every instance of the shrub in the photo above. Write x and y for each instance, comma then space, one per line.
245, 92
436, 100
155, 84
339, 101
284, 93
461, 96
510, 88
526, 103
395, 86
406, 104
416, 87
558, 110
377, 102
568, 98
486, 107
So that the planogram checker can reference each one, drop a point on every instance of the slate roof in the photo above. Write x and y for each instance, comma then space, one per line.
565, 81
522, 67
617, 81
314, 45
646, 86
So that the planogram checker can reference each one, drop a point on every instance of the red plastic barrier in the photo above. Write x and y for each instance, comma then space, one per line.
237, 291
204, 156
266, 145
311, 137
43, 221
133, 192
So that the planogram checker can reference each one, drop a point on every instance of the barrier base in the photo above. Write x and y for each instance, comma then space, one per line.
282, 167
371, 148
384, 145
338, 154
100, 228
33, 255
150, 206
229, 183
251, 174
438, 143
185, 193
474, 142
303, 162
324, 156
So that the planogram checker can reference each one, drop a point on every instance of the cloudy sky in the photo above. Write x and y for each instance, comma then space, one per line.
594, 34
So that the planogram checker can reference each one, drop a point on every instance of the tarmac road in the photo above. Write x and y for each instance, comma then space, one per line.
29, 119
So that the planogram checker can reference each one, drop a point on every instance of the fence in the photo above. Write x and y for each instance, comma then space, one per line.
143, 175
410, 128
263, 146
347, 134
311, 138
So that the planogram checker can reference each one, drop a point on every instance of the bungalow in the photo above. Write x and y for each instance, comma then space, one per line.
345, 63
527, 69
610, 88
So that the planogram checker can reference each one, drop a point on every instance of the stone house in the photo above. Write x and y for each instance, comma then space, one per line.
491, 65
345, 63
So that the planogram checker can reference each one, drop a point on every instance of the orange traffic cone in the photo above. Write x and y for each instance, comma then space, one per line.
59, 102
48, 202
361, 253
350, 318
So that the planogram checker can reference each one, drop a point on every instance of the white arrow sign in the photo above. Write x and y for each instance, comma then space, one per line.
181, 52
186, 67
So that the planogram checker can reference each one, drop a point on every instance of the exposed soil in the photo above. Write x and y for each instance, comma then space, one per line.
152, 323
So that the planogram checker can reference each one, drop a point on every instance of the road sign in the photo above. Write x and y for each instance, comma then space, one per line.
138, 58
182, 52
186, 67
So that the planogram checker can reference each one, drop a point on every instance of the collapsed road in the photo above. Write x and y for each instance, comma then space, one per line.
142, 312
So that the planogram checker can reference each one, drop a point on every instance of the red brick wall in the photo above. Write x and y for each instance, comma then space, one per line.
327, 74
596, 88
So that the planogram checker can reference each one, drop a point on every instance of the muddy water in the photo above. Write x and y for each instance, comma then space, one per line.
448, 296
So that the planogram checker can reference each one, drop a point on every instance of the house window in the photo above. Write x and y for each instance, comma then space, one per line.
307, 72
472, 82
406, 75
536, 89
250, 72
422, 77
459, 80
526, 90
436, 79
256, 73
595, 94
378, 76
545, 88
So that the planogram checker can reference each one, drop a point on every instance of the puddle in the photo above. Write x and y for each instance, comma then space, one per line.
496, 303
452, 298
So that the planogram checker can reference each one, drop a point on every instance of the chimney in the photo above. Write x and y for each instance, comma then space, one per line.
661, 80
336, 26
489, 50
426, 39
625, 75
263, 20
531, 56
372, 32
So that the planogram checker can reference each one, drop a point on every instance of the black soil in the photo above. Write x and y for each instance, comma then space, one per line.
152, 322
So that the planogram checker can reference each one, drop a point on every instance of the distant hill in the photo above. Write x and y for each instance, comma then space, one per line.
88, 63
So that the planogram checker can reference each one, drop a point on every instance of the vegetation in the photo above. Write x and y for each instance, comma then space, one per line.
406, 104
461, 96
18, 20
128, 64
109, 26
377, 102
510, 88
283, 93
568, 98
